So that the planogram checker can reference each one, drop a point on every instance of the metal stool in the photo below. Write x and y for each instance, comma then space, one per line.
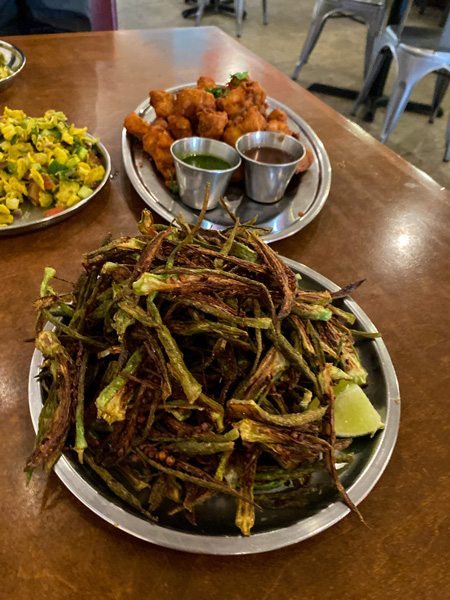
371, 12
417, 51
237, 10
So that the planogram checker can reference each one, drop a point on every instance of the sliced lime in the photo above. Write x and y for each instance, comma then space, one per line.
354, 414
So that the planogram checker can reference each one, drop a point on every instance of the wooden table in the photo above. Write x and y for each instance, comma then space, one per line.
384, 221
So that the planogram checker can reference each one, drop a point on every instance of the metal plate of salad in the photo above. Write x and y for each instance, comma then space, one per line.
48, 170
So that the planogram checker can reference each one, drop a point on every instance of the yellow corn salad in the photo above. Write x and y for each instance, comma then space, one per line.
4, 70
46, 162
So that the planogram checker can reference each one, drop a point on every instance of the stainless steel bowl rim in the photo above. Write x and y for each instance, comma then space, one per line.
187, 165
4, 44
271, 165
259, 542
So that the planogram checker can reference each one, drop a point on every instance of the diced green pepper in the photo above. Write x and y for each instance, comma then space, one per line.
56, 167
82, 152
84, 192
12, 168
72, 162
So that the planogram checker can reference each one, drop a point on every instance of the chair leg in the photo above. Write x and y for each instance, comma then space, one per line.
265, 13
372, 33
368, 82
320, 15
440, 89
239, 10
447, 142
200, 8
411, 70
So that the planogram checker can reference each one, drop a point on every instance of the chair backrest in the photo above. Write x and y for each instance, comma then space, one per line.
397, 13
444, 43
103, 15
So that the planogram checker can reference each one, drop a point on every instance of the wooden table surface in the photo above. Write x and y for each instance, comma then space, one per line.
384, 221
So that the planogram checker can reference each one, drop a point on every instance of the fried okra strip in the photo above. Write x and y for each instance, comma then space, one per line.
190, 385
207, 482
113, 400
80, 439
117, 488
249, 409
49, 448
245, 514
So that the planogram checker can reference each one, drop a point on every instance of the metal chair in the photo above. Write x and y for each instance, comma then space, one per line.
417, 52
371, 12
239, 11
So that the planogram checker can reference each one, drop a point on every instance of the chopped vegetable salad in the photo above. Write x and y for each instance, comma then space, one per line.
45, 161
4, 70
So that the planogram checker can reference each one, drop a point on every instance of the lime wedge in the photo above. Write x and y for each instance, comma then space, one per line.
354, 414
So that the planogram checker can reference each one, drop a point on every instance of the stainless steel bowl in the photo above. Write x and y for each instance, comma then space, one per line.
34, 216
14, 59
266, 182
192, 180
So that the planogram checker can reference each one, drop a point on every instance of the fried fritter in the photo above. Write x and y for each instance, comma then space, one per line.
157, 142
252, 120
277, 115
136, 125
163, 103
211, 123
278, 127
190, 100
246, 95
179, 127
206, 83
162, 122
306, 161
277, 122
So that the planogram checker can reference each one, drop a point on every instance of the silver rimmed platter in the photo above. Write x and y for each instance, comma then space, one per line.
302, 202
215, 532
33, 217
14, 60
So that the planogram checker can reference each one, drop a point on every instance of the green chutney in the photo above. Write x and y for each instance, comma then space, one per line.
209, 162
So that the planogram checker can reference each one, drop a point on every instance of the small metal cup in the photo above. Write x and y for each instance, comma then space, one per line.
192, 180
266, 182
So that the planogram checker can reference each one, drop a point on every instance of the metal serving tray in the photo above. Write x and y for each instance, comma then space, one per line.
303, 201
215, 532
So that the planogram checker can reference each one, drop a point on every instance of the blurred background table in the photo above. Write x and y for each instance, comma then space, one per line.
384, 221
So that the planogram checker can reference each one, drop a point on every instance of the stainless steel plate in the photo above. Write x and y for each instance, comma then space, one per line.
34, 216
303, 200
14, 59
215, 532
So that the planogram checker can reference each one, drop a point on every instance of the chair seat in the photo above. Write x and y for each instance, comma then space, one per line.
374, 2
423, 39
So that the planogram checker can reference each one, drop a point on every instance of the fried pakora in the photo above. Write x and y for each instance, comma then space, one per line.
190, 100
252, 120
246, 95
211, 123
136, 125
162, 102
156, 141
306, 161
179, 127
206, 83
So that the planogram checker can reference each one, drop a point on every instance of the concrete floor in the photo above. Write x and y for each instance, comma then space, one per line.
336, 60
